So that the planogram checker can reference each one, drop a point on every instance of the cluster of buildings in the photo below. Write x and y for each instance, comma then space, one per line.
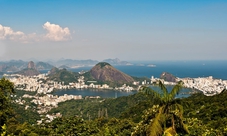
125, 87
207, 85
43, 87
35, 83
45, 101
50, 101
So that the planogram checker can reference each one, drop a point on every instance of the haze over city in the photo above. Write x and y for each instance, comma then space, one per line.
129, 30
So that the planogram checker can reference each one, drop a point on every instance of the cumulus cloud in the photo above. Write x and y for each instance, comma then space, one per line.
8, 33
56, 33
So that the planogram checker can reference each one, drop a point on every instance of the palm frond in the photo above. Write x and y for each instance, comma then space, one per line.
181, 127
180, 109
176, 89
170, 132
156, 126
163, 88
179, 118
149, 91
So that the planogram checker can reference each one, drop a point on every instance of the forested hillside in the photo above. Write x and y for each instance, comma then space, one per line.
131, 115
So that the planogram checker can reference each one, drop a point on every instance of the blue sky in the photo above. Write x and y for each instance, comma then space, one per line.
101, 29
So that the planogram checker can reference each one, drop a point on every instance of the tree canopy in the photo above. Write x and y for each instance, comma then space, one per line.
167, 116
6, 90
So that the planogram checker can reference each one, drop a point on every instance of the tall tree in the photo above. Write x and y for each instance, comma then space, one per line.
168, 117
6, 89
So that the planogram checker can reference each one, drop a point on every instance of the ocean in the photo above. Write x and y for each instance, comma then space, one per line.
193, 69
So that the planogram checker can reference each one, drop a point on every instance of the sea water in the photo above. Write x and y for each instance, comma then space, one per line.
94, 92
185, 92
193, 69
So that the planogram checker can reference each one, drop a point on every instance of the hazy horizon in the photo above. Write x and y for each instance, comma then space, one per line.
130, 30
130, 61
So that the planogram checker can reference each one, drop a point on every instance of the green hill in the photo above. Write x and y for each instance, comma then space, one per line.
60, 75
113, 106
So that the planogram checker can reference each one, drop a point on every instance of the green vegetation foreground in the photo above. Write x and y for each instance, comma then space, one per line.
154, 114
166, 117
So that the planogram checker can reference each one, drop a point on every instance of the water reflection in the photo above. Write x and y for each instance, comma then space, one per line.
94, 92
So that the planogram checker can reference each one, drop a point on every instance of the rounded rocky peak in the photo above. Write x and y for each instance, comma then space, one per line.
103, 64
31, 65
168, 77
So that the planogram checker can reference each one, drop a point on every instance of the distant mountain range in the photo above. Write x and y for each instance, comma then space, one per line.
71, 62
18, 65
43, 66
116, 62
12, 66
31, 70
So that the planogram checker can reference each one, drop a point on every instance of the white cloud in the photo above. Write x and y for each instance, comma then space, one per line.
8, 33
56, 33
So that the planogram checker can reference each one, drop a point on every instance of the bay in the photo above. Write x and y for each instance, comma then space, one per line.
94, 92
185, 92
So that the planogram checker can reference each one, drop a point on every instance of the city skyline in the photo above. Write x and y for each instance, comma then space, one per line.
129, 30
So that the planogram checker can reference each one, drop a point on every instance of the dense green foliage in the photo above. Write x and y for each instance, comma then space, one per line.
22, 113
204, 115
78, 126
6, 90
60, 75
167, 116
20, 93
211, 111
28, 115
135, 113
93, 108
103, 64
